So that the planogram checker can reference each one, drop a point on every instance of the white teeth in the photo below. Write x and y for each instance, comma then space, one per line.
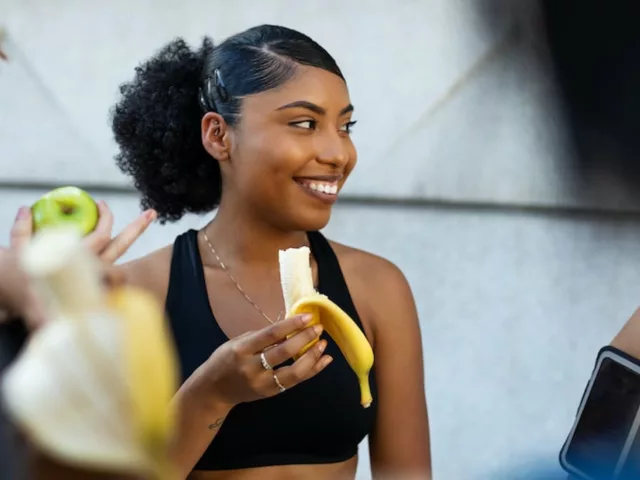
328, 188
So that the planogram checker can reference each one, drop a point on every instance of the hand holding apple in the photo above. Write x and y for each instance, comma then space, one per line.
100, 240
72, 206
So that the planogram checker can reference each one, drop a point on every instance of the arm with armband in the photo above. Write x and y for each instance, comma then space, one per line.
604, 440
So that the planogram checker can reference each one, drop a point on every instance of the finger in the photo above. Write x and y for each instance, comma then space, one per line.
256, 342
287, 349
308, 365
119, 245
97, 240
22, 228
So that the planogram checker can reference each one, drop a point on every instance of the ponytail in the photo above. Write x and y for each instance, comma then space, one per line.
156, 125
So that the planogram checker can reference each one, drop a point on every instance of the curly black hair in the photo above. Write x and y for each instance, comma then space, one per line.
157, 121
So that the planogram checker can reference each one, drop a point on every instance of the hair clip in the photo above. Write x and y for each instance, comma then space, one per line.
220, 87
207, 102
203, 101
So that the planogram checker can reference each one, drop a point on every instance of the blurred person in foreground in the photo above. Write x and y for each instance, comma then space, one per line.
24, 317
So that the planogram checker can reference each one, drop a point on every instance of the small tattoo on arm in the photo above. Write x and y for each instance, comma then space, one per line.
216, 425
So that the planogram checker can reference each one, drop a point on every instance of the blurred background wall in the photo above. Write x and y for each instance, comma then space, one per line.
472, 177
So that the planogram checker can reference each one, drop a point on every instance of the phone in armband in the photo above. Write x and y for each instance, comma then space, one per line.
604, 441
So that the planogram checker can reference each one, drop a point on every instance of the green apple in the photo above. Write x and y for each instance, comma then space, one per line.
66, 206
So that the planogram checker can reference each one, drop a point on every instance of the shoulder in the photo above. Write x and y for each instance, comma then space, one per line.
150, 272
379, 288
377, 271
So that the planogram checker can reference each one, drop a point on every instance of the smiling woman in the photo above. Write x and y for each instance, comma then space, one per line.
259, 128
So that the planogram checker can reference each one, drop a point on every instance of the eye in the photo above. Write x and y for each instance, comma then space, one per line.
347, 127
305, 124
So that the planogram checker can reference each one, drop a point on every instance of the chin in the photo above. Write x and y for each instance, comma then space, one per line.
312, 220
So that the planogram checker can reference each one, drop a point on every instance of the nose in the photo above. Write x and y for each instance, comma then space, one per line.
333, 151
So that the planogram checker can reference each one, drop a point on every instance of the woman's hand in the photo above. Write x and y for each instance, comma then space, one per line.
20, 300
246, 368
108, 248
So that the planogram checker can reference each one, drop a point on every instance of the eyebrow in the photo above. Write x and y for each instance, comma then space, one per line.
313, 107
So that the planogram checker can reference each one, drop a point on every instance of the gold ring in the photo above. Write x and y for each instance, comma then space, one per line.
264, 362
280, 386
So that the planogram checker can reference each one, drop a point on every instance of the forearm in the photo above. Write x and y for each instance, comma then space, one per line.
401, 468
628, 339
198, 421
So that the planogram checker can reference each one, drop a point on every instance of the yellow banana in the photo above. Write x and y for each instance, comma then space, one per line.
300, 296
151, 368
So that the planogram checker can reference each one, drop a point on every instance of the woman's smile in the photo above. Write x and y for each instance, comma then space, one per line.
323, 188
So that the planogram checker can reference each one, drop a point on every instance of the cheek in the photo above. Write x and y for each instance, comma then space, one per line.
284, 155
267, 172
353, 160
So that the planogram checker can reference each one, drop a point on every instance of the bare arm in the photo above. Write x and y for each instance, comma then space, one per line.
199, 416
628, 339
399, 444
198, 424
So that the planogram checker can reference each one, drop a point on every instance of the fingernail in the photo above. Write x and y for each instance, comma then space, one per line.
306, 318
322, 345
327, 361
317, 329
150, 214
23, 212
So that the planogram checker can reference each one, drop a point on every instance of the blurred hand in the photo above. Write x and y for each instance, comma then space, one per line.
16, 295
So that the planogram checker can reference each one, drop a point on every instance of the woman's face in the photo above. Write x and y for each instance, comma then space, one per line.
291, 151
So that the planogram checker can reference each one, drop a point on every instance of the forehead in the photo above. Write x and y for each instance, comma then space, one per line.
310, 84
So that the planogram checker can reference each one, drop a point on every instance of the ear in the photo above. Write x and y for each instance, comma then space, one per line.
215, 136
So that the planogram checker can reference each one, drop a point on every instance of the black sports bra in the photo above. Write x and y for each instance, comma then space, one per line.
318, 421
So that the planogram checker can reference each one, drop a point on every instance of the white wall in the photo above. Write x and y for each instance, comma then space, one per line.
450, 106
514, 303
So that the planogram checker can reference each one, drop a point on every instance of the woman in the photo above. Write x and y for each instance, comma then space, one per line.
259, 127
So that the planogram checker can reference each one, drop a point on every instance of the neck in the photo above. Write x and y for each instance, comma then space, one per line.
240, 239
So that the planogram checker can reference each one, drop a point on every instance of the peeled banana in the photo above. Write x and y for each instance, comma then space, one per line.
92, 388
300, 296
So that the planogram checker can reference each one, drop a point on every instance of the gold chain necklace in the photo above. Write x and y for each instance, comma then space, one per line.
240, 289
